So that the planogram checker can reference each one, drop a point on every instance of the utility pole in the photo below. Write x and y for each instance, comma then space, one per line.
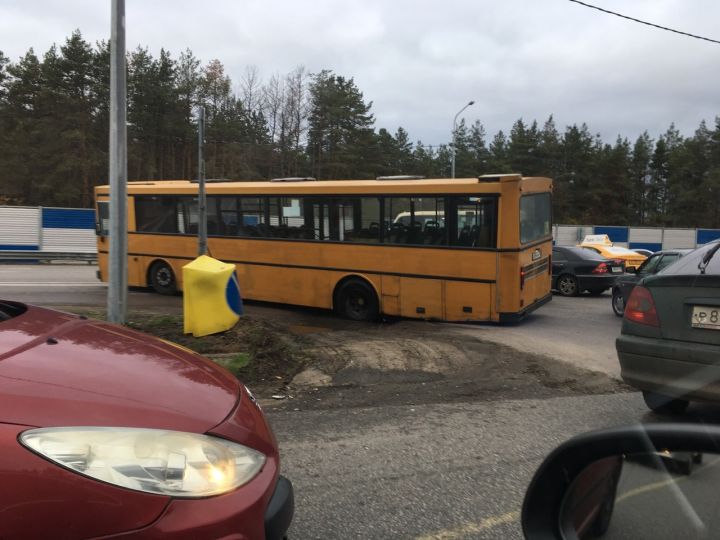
118, 260
202, 197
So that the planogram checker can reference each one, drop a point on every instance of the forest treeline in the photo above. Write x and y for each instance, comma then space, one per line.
54, 139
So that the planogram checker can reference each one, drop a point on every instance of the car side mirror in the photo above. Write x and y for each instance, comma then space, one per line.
631, 270
643, 482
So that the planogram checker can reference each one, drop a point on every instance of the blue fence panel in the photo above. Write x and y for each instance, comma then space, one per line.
707, 235
68, 218
24, 247
652, 246
616, 234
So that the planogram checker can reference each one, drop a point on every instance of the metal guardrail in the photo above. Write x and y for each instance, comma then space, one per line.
23, 255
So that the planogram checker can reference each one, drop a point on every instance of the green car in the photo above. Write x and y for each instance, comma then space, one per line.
670, 342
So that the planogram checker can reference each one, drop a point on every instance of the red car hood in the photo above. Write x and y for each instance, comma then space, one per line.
57, 369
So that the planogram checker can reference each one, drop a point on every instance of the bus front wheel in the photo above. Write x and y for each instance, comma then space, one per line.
357, 301
162, 278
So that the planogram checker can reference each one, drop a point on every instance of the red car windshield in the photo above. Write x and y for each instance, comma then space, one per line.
9, 310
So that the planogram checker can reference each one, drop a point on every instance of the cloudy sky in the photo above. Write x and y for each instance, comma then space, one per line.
420, 61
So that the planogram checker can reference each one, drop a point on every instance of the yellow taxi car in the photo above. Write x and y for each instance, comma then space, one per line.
602, 244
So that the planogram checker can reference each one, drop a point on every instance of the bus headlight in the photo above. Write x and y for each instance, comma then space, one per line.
171, 463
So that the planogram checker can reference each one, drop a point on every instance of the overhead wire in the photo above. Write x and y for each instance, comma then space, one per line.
645, 22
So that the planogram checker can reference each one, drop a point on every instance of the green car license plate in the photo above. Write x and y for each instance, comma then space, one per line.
706, 317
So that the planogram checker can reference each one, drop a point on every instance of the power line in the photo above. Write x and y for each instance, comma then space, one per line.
645, 22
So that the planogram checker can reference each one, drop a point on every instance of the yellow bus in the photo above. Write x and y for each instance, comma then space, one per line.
470, 249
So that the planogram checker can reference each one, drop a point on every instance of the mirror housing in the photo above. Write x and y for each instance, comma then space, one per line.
543, 504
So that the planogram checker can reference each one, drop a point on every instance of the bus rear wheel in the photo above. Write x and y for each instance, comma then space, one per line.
357, 301
162, 278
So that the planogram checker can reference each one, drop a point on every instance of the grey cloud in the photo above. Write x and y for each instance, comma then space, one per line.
420, 61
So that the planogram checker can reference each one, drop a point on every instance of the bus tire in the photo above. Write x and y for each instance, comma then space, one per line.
162, 278
357, 301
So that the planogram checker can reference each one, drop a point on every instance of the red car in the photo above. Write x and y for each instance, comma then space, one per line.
106, 431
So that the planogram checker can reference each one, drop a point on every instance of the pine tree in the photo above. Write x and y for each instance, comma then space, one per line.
340, 130
478, 149
640, 178
523, 147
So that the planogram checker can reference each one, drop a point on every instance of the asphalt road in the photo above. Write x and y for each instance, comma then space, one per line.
445, 471
430, 472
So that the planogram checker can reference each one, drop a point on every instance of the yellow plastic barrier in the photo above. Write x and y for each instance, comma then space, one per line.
211, 296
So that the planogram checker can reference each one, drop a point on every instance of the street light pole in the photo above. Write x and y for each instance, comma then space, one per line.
202, 197
117, 257
454, 136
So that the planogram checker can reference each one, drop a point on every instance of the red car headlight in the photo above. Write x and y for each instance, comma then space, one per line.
172, 463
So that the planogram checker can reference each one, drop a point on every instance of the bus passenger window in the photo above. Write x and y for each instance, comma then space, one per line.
188, 216
252, 217
214, 222
415, 220
476, 222
317, 219
287, 218
229, 216
156, 214
359, 219
399, 217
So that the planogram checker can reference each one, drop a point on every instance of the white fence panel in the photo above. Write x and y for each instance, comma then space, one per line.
19, 226
570, 235
679, 238
646, 235
69, 240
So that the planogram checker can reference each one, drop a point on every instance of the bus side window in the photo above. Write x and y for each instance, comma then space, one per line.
359, 219
214, 221
251, 217
188, 215
397, 211
429, 215
285, 214
229, 222
156, 214
475, 222
317, 218
415, 220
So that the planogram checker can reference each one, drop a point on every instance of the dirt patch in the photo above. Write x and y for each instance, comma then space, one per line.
398, 362
407, 363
